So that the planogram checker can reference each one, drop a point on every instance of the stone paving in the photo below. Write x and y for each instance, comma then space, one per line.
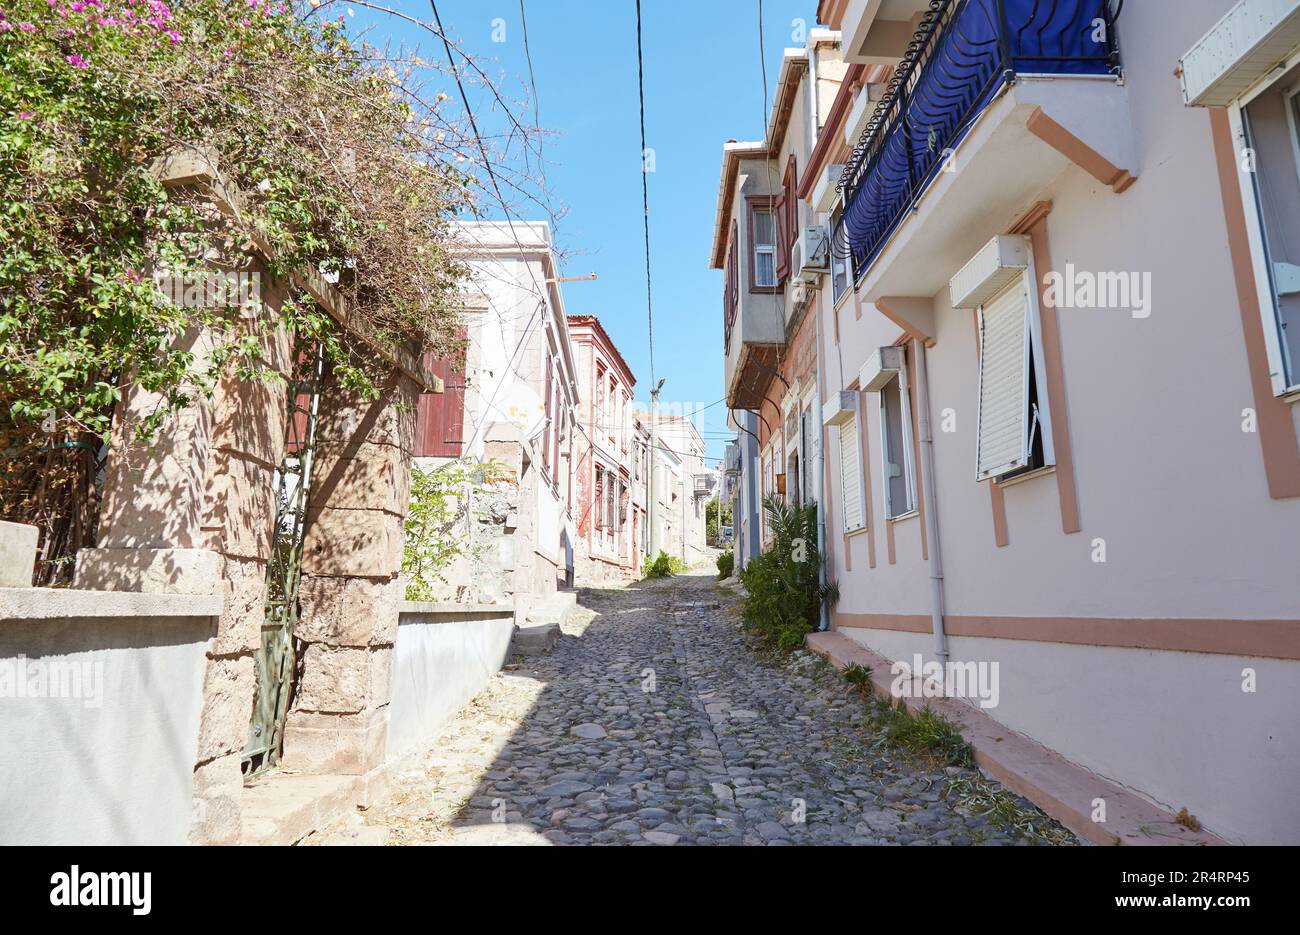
653, 723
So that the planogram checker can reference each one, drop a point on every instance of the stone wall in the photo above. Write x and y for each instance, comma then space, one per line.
350, 590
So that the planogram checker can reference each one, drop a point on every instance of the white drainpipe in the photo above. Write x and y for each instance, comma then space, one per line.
931, 504
821, 464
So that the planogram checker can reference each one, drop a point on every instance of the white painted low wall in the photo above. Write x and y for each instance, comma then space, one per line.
100, 694
444, 655
1175, 727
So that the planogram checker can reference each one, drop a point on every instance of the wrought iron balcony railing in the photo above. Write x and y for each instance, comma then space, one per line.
963, 54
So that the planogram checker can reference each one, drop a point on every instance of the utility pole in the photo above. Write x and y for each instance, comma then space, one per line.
653, 494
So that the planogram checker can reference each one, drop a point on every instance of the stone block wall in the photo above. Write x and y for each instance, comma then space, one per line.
350, 590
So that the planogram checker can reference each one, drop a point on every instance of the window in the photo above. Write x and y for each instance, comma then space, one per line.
598, 501
731, 287
896, 448
440, 417
850, 474
1012, 435
615, 405
1271, 127
600, 398
763, 237
806, 445
548, 438
839, 261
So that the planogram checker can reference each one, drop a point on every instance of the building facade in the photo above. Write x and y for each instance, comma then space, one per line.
512, 399
1058, 376
683, 485
608, 523
764, 240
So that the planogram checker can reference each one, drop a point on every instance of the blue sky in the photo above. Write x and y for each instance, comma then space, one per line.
703, 85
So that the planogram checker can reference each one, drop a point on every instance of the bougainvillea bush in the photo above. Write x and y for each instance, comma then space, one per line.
333, 153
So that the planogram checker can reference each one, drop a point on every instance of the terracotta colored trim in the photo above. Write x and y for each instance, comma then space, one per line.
1062, 789
606, 344
831, 12
1277, 432
1263, 639
914, 315
1078, 152
832, 130
864, 456
1034, 224
997, 503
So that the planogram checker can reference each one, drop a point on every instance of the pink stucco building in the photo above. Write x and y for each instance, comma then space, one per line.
1058, 376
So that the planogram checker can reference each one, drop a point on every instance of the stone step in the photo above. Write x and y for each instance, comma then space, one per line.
553, 607
534, 639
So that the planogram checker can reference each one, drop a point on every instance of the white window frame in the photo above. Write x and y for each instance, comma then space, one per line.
1277, 370
1034, 349
761, 249
906, 463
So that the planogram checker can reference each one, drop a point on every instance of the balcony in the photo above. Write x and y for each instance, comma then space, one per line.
753, 337
991, 101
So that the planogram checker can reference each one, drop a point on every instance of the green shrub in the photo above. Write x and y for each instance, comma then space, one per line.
438, 528
785, 594
726, 564
858, 676
925, 734
665, 566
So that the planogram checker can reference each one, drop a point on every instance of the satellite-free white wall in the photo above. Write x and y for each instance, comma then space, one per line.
107, 756
444, 655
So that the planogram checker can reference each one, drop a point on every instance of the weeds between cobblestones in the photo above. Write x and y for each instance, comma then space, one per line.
654, 721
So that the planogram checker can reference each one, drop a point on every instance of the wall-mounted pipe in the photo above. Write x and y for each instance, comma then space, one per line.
931, 503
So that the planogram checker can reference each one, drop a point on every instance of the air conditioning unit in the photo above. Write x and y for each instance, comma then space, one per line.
1001, 262
801, 294
825, 194
864, 105
881, 367
810, 256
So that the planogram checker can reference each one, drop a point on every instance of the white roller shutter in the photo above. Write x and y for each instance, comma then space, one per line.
850, 474
1004, 383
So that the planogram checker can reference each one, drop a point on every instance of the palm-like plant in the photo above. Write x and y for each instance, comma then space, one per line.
785, 592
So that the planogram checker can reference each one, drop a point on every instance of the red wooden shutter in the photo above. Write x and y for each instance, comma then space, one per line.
440, 417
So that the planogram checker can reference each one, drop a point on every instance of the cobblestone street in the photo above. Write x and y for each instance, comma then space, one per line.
652, 722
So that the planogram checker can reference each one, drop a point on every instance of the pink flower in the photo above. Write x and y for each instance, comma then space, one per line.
27, 27
25, 115
174, 36
6, 26
76, 61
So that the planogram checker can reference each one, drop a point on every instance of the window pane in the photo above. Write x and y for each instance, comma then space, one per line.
764, 271
1277, 185
896, 454
764, 228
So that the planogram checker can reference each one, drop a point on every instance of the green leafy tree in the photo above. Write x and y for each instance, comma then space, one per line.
328, 156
